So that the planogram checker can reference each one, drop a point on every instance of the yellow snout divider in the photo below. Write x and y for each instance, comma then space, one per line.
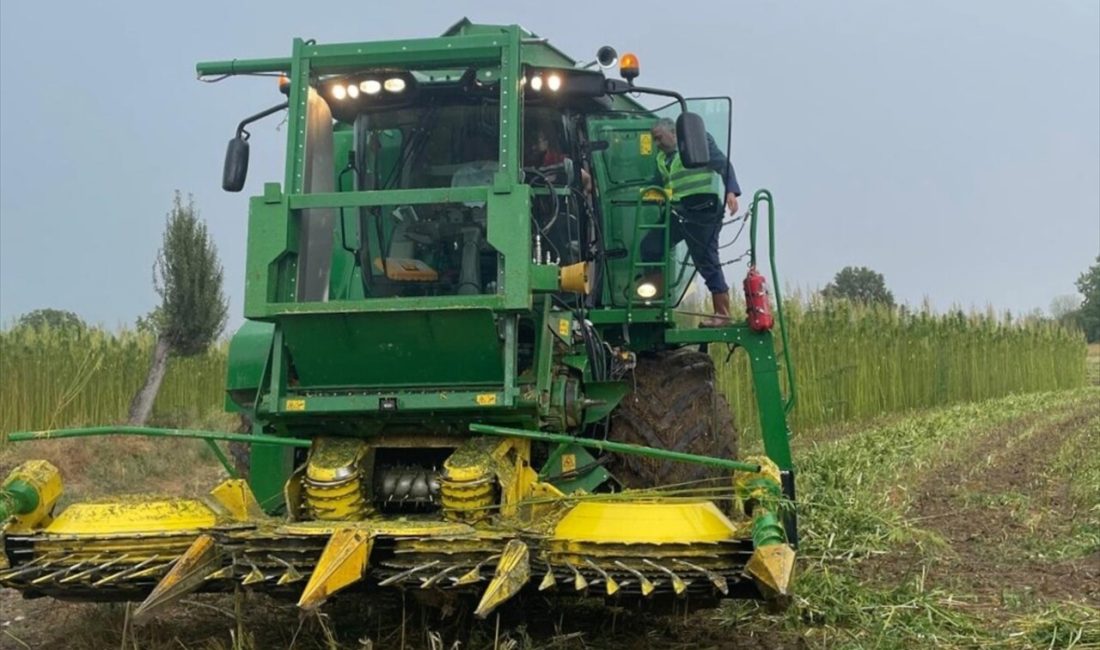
512, 572
342, 563
185, 576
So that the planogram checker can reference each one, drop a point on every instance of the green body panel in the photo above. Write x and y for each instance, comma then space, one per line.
269, 468
606, 395
629, 164
336, 345
390, 349
249, 350
571, 469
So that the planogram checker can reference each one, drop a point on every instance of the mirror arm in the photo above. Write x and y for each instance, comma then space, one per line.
616, 87
259, 116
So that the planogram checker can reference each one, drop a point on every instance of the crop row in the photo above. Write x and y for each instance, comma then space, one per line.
58, 378
852, 361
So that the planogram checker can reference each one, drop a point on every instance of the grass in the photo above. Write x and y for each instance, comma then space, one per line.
1093, 364
1081, 460
113, 465
852, 593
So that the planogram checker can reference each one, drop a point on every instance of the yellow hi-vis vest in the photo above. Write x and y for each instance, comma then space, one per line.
681, 181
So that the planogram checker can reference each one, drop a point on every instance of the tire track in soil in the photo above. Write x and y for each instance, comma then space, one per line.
974, 452
895, 567
981, 554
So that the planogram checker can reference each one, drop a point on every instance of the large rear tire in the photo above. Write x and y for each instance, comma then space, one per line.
676, 406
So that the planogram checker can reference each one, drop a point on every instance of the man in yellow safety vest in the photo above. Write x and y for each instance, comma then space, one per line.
697, 197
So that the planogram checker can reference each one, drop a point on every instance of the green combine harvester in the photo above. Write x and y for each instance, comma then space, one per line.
463, 379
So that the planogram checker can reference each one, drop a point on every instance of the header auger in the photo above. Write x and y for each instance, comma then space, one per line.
454, 378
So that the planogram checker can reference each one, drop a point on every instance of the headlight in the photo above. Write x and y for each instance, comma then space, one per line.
536, 83
353, 91
646, 290
339, 92
553, 82
395, 84
370, 86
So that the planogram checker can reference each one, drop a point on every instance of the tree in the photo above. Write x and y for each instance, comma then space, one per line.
1064, 306
188, 278
52, 319
859, 284
1064, 309
1089, 313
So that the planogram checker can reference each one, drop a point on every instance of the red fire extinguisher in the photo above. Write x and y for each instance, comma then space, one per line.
756, 301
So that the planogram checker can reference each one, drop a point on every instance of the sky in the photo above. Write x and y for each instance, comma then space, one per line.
953, 146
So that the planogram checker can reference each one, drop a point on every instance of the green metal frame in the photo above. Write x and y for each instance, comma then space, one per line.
274, 216
771, 404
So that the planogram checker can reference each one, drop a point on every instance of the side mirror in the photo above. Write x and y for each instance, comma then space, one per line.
236, 164
691, 139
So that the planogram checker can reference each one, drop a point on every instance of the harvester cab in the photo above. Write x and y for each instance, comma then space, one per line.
460, 373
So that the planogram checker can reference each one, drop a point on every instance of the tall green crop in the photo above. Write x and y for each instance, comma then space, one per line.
853, 361
52, 378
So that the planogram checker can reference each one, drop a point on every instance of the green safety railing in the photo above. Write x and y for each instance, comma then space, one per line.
616, 447
757, 198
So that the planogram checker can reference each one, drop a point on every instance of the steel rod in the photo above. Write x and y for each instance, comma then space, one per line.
617, 447
242, 66
249, 438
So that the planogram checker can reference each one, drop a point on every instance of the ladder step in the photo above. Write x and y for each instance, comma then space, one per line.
651, 226
647, 265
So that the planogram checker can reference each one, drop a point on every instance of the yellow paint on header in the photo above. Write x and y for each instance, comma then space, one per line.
156, 516
622, 522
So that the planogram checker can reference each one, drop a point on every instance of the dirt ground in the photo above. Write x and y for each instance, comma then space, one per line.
994, 538
982, 553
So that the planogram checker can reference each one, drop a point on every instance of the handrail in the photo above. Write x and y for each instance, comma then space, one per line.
372, 198
758, 197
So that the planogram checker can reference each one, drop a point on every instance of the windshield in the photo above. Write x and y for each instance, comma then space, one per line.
408, 130
435, 144
444, 140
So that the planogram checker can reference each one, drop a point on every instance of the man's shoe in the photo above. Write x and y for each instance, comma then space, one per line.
721, 317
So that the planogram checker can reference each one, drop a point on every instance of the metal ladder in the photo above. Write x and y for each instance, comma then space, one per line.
639, 267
